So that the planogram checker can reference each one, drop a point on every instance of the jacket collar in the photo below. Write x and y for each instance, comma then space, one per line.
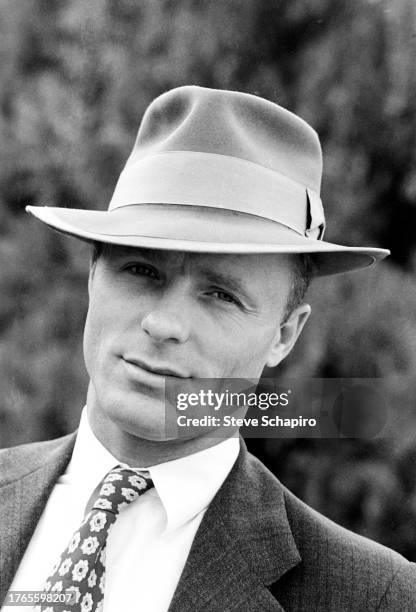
29, 473
243, 545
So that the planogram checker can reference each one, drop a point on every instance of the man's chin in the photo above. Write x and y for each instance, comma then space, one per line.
145, 418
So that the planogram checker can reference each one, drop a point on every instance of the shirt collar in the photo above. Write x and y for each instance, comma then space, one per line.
185, 486
88, 451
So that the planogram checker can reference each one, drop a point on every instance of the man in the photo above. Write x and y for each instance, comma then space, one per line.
199, 271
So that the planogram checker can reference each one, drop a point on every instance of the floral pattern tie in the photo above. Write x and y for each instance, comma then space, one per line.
81, 567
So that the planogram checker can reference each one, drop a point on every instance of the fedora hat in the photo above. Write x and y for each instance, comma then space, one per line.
218, 171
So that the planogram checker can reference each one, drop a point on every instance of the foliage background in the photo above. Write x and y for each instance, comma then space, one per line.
75, 78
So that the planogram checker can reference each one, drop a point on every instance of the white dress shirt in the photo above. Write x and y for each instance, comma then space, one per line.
149, 543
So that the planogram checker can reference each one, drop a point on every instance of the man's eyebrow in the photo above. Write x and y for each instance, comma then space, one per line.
231, 283
128, 251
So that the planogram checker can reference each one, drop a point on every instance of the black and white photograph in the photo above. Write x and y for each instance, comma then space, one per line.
208, 306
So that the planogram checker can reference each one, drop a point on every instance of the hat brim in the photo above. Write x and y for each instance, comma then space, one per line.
202, 230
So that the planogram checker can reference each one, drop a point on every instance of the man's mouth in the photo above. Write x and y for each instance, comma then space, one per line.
158, 369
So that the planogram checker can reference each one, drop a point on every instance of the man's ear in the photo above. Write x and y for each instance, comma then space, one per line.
287, 334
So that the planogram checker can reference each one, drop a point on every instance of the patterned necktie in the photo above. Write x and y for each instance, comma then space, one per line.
81, 567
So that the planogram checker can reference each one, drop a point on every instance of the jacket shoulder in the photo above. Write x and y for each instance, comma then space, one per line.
312, 530
349, 571
339, 569
19, 461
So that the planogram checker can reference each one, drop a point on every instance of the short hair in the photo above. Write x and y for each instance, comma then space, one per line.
302, 273
97, 249
303, 269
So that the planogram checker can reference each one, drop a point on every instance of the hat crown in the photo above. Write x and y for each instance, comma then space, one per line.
234, 124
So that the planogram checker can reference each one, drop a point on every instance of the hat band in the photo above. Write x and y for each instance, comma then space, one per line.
218, 181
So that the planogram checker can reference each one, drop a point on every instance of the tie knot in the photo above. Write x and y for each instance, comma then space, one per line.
120, 487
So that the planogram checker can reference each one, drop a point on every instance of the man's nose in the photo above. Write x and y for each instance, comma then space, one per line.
169, 316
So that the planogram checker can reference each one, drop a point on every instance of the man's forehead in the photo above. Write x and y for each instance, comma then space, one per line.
224, 261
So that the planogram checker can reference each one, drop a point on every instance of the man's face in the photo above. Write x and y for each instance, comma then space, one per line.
156, 315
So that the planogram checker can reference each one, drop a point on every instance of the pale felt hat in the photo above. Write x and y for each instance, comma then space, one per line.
218, 171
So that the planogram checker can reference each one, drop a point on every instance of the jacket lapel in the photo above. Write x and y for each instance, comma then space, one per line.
27, 476
244, 544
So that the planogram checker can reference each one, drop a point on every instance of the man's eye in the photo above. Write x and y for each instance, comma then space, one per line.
141, 270
225, 297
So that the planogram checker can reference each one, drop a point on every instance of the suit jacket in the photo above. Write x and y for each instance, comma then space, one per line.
258, 548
